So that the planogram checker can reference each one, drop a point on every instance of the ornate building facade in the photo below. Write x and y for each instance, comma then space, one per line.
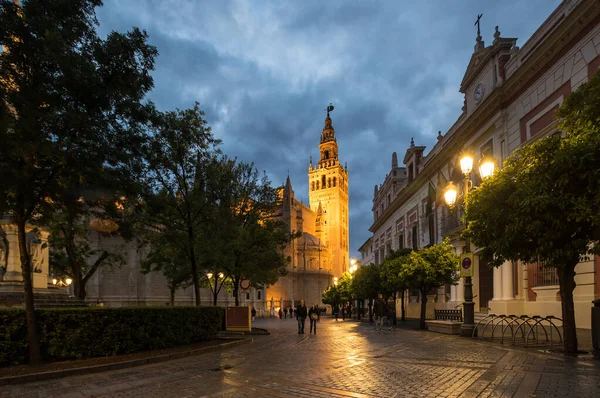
321, 253
511, 95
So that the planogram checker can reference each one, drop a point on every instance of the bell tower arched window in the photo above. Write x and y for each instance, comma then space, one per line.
323, 182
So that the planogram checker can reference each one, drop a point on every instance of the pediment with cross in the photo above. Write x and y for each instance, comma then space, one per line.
477, 62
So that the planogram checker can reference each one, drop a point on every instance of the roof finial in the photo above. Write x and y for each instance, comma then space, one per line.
479, 45
496, 34
477, 23
311, 160
412, 142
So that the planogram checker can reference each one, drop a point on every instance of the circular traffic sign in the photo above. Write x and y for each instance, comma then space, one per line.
466, 263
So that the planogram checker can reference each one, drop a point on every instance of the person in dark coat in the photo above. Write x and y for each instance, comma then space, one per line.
285, 311
380, 310
313, 316
253, 313
301, 314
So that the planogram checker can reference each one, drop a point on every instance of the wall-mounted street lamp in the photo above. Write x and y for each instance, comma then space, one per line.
451, 196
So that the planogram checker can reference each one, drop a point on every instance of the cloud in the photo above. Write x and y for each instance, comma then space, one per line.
264, 71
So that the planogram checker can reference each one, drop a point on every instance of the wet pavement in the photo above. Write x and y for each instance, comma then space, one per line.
344, 359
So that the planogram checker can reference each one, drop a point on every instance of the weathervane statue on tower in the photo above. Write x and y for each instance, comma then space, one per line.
329, 108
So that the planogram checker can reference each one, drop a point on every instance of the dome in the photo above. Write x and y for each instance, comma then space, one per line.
310, 241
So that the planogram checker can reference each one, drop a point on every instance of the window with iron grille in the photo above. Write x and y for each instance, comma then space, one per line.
543, 276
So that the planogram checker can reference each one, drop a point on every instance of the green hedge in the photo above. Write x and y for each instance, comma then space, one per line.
78, 333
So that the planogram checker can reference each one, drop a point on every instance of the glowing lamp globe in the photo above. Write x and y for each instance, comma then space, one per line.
486, 167
450, 194
466, 164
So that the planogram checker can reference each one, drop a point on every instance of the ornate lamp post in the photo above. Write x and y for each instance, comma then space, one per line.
451, 196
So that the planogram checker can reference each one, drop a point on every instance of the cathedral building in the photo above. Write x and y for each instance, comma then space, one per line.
321, 252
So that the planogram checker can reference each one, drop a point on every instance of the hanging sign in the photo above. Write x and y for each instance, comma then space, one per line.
466, 265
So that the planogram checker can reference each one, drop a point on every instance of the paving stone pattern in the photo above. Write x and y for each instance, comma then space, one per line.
345, 359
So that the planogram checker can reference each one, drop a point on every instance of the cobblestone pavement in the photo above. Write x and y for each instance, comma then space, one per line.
345, 359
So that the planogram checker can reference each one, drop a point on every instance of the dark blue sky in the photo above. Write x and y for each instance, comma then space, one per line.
264, 71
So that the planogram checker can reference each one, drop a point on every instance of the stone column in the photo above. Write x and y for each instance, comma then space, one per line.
508, 291
497, 283
453, 292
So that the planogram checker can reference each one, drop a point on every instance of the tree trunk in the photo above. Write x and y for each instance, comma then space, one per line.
195, 279
370, 310
35, 356
423, 308
394, 320
172, 295
402, 309
236, 291
215, 295
566, 279
78, 284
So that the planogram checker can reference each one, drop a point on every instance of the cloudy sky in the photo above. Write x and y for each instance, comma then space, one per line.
264, 71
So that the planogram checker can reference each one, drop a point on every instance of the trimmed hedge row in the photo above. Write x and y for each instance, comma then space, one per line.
78, 333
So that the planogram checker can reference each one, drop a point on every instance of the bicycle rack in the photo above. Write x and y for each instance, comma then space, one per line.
480, 322
529, 327
551, 325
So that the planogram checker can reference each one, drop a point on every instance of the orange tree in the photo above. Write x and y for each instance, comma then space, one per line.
543, 204
428, 268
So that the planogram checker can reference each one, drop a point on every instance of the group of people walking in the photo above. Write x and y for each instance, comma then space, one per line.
313, 314
383, 310
344, 311
283, 313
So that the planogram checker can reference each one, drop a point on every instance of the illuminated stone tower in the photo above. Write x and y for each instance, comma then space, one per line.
328, 196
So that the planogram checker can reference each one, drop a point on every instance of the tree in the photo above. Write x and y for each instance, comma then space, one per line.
181, 161
174, 266
390, 276
366, 285
542, 206
70, 105
429, 268
248, 233
70, 242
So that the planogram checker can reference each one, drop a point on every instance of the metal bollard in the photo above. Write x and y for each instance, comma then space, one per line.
596, 328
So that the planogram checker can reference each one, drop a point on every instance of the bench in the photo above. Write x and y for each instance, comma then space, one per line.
448, 315
446, 321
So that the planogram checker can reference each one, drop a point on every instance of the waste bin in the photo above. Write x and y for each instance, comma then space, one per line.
596, 328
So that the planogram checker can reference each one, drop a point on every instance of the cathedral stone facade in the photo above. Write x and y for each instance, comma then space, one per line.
321, 253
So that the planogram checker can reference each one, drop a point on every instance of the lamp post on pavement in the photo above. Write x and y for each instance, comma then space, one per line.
451, 196
353, 268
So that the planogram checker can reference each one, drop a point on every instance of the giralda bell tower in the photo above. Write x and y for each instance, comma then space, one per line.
328, 185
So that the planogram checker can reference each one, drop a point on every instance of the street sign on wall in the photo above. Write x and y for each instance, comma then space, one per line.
466, 265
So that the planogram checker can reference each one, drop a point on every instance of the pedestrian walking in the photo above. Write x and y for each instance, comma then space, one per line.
280, 314
313, 315
391, 312
285, 311
380, 311
336, 312
301, 314
343, 312
253, 312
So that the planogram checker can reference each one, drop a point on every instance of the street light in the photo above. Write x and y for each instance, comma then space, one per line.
450, 194
59, 282
486, 169
486, 166
335, 281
